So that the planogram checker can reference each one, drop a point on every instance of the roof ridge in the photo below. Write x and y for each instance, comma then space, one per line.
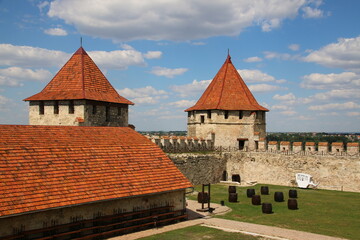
82, 72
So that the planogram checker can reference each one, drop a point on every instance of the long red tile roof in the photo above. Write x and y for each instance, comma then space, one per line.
80, 78
43, 167
227, 91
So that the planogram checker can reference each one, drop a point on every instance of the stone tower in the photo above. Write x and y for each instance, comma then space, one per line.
227, 112
79, 95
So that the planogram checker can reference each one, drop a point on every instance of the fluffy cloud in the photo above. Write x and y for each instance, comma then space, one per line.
310, 12
192, 89
253, 59
281, 56
288, 113
13, 76
334, 95
264, 88
168, 72
343, 54
26, 56
294, 47
153, 54
252, 76
331, 81
55, 32
172, 20
182, 103
280, 107
335, 106
147, 95
286, 97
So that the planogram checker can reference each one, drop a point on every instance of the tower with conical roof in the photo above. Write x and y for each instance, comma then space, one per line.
227, 112
79, 95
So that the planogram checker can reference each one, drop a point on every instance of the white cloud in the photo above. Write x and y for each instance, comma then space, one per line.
281, 56
118, 59
335, 106
182, 103
56, 32
26, 56
343, 54
253, 59
12, 76
192, 89
331, 81
264, 88
288, 113
172, 20
153, 54
147, 95
310, 12
252, 76
280, 107
168, 72
353, 114
42, 5
286, 97
334, 95
294, 47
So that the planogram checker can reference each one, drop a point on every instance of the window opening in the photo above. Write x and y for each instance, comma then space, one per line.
202, 119
209, 114
56, 107
241, 115
41, 108
71, 107
241, 144
226, 114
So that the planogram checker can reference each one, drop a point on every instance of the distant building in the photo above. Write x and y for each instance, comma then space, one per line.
227, 112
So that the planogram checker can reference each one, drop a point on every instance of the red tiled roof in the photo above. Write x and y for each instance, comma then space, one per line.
297, 143
272, 142
44, 167
353, 144
80, 78
337, 144
323, 144
310, 144
284, 143
227, 91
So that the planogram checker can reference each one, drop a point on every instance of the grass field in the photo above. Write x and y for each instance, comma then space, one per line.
332, 213
199, 232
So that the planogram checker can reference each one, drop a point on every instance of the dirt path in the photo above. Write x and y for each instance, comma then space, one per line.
197, 218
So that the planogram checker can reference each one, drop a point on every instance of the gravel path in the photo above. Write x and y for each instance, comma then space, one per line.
197, 218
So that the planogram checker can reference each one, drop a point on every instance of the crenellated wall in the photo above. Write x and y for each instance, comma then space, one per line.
195, 144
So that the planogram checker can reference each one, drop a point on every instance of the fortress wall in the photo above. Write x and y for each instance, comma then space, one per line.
335, 172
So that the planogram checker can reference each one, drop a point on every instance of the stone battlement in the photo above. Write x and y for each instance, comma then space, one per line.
194, 144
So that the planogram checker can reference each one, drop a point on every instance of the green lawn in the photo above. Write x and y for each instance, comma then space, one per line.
199, 232
332, 213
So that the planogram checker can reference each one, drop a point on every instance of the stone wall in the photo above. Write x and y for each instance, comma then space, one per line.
330, 171
335, 172
13, 224
200, 168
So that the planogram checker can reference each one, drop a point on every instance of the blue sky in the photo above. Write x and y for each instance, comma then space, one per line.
300, 58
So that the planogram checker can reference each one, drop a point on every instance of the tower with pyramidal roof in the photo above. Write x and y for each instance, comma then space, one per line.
79, 95
227, 112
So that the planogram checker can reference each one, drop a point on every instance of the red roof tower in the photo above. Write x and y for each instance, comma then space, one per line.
227, 91
80, 78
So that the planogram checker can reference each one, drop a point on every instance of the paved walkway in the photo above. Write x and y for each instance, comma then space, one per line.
204, 219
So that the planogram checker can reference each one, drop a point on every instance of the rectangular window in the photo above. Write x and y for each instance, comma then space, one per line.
209, 114
71, 107
202, 119
41, 108
94, 109
189, 114
107, 112
226, 114
241, 114
56, 107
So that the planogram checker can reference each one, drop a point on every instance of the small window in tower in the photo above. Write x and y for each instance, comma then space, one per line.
241, 114
119, 111
209, 114
94, 109
226, 114
259, 115
107, 112
189, 114
71, 107
56, 107
41, 108
202, 119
